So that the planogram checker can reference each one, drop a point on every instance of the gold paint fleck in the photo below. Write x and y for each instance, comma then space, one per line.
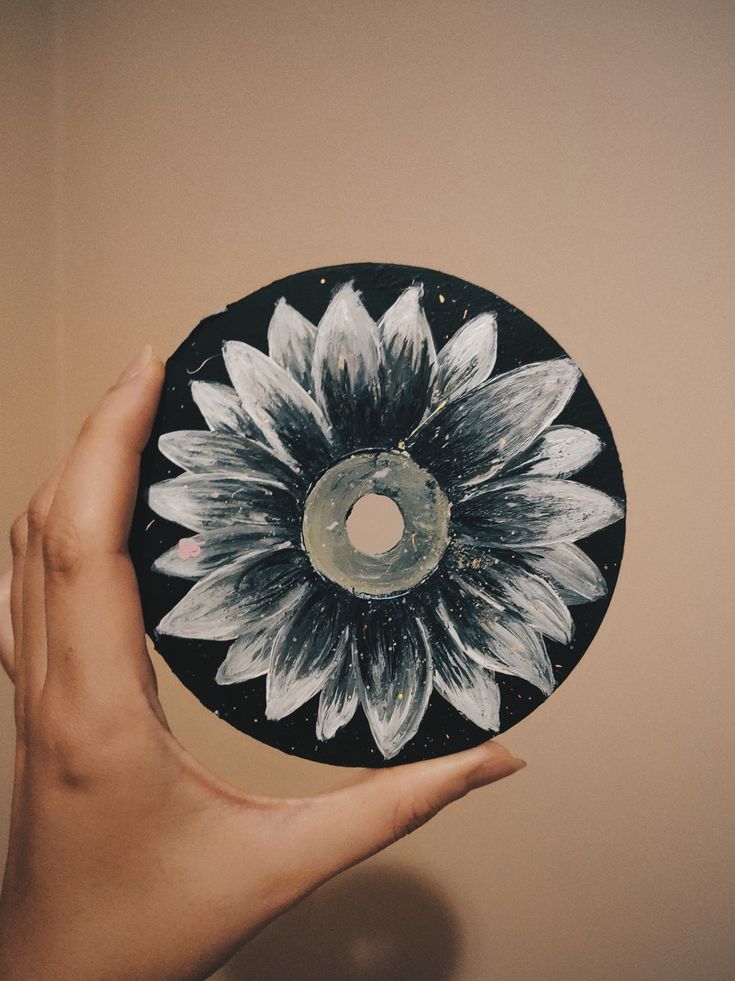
322, 281
441, 298
466, 311
400, 696
401, 445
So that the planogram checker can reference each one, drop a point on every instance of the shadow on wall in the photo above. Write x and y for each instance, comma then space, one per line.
367, 925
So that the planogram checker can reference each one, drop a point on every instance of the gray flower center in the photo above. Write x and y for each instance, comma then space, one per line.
397, 558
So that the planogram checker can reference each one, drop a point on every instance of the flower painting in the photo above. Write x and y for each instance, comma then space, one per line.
475, 464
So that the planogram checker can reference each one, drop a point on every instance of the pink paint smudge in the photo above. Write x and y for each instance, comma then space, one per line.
188, 549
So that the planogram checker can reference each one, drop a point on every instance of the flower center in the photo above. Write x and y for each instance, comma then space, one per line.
376, 524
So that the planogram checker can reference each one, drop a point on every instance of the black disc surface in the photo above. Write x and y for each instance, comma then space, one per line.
448, 303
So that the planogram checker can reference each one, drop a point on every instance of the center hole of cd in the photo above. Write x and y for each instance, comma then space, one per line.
374, 524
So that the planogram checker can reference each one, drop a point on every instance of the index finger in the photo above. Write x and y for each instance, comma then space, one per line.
96, 637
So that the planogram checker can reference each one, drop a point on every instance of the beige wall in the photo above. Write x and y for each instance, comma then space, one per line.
574, 157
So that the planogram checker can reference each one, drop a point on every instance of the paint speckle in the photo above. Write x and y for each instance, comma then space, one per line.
196, 370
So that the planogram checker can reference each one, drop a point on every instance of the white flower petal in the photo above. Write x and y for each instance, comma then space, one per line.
472, 437
199, 451
198, 555
470, 688
338, 701
516, 513
249, 655
409, 363
573, 573
393, 674
256, 585
222, 409
523, 651
494, 639
346, 368
288, 416
305, 652
468, 358
291, 339
203, 501
531, 597
559, 452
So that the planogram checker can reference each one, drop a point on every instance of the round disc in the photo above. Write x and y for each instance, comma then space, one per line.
280, 417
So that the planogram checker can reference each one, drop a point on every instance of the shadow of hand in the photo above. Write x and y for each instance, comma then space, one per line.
367, 925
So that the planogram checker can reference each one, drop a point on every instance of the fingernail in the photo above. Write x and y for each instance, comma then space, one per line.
495, 769
135, 367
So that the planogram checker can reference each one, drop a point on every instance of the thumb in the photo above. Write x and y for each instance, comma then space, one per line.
343, 827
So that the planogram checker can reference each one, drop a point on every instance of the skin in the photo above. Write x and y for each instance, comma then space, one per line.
127, 859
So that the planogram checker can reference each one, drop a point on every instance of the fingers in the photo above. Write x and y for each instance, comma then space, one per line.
30, 657
343, 827
7, 656
18, 543
94, 621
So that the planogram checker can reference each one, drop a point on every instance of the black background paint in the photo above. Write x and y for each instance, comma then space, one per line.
195, 662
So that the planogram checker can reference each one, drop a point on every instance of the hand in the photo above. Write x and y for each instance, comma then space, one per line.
128, 860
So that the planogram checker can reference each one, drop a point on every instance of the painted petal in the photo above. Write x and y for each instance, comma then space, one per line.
288, 416
291, 340
338, 700
250, 655
393, 673
459, 679
199, 451
198, 555
202, 501
532, 598
468, 358
573, 573
560, 452
409, 364
535, 511
494, 639
471, 438
222, 409
260, 584
528, 646
305, 652
346, 368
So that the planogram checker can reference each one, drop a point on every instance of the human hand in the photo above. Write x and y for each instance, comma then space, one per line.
127, 859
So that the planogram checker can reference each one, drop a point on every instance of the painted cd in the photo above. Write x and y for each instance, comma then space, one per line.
282, 418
